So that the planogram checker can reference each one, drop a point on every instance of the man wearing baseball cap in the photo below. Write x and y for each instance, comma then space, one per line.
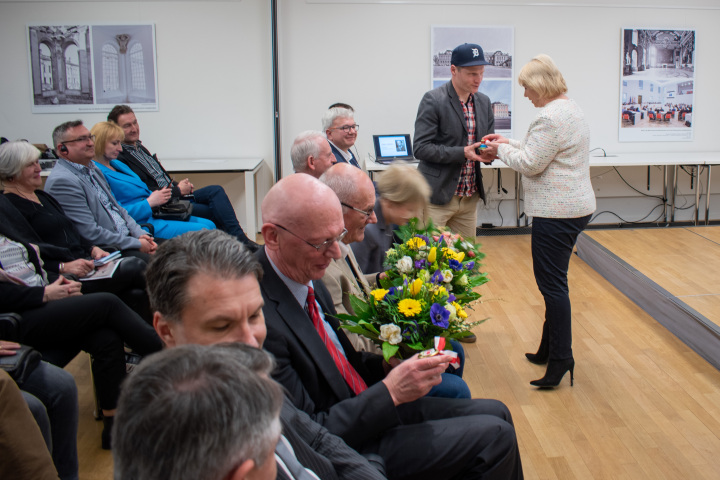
450, 122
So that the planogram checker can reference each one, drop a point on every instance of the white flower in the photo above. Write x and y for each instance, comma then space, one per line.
462, 281
447, 276
453, 312
390, 333
405, 265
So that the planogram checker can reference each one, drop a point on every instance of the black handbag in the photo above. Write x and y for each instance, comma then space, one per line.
22, 364
179, 210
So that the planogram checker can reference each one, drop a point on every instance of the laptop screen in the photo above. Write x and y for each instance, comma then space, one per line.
388, 147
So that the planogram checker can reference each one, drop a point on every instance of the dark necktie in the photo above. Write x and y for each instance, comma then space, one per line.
351, 376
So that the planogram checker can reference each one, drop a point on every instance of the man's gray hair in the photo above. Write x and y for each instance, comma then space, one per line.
15, 156
343, 185
332, 113
179, 259
303, 146
196, 412
58, 134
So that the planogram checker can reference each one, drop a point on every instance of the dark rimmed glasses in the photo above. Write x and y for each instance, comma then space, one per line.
320, 247
366, 213
84, 138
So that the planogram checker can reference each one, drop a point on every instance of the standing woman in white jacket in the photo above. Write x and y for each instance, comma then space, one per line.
554, 161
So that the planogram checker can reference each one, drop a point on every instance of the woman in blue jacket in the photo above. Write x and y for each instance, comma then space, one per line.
131, 192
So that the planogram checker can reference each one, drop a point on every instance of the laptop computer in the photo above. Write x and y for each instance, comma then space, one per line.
389, 148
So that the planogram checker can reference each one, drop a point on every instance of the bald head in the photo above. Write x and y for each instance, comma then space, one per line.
356, 192
300, 212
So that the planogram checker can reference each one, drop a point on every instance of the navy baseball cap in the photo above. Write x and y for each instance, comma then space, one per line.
468, 55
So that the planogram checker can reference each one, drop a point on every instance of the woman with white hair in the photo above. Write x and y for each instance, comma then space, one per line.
554, 161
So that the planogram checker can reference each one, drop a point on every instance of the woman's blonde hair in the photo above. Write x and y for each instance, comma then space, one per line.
403, 184
542, 76
105, 132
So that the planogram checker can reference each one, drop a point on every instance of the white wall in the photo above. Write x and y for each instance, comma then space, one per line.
215, 83
214, 74
375, 56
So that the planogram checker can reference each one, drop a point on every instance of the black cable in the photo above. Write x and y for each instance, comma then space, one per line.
502, 220
629, 221
635, 189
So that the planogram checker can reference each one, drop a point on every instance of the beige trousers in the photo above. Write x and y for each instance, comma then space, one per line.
459, 215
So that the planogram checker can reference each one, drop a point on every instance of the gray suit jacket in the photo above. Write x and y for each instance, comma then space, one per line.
441, 136
83, 206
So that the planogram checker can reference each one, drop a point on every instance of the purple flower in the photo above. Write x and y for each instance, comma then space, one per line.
455, 265
420, 264
423, 237
437, 277
439, 315
469, 265
451, 298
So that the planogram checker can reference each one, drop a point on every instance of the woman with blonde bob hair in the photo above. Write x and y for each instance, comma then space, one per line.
130, 191
554, 161
402, 193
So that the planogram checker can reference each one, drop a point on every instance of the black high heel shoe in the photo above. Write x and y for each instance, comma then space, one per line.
543, 353
555, 372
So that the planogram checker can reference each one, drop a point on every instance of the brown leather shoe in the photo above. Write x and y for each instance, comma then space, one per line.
469, 339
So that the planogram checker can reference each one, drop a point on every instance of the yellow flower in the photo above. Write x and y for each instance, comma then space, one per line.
432, 255
440, 292
460, 256
459, 310
416, 286
415, 243
409, 307
379, 294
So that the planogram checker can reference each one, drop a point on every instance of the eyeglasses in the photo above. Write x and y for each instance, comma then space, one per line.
366, 213
321, 247
84, 139
347, 128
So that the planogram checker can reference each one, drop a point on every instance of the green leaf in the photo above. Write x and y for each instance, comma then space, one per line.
360, 306
389, 351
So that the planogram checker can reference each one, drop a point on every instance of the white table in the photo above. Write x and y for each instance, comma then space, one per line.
249, 167
663, 159
372, 167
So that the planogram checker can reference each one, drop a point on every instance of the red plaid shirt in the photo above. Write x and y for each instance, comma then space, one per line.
467, 185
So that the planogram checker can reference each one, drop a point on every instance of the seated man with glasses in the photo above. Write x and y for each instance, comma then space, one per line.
344, 277
86, 198
341, 131
375, 407
209, 202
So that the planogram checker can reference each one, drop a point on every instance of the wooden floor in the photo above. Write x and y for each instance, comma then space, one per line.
685, 261
643, 406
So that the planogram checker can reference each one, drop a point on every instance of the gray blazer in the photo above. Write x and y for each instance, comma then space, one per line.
83, 206
441, 136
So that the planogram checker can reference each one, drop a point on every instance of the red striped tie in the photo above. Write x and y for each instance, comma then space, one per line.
351, 376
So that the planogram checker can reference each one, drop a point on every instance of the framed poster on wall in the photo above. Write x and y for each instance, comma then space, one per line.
91, 68
498, 47
657, 85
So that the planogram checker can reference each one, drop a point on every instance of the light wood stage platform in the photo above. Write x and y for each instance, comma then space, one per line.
644, 405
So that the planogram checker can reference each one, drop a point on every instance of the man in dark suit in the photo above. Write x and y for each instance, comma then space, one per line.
451, 120
373, 406
341, 130
203, 287
209, 202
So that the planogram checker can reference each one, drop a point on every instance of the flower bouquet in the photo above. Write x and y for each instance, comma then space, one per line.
429, 284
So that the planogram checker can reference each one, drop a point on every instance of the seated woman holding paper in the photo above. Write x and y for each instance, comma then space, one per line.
57, 313
131, 192
34, 216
